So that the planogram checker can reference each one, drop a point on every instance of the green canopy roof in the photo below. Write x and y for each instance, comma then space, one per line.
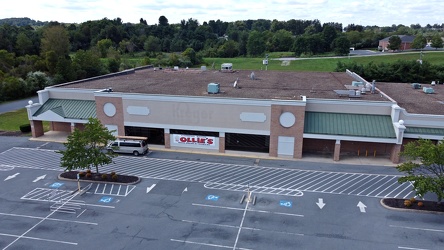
361, 125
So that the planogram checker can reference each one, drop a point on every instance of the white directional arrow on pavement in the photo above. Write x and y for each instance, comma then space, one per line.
39, 178
148, 189
320, 203
11, 176
185, 190
361, 207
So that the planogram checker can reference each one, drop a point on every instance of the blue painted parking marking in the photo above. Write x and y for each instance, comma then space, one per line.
56, 185
286, 203
106, 199
211, 197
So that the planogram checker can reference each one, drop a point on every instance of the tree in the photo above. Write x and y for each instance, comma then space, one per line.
152, 45
37, 80
341, 45
255, 43
419, 42
329, 35
436, 42
103, 46
228, 49
282, 40
394, 43
23, 44
427, 175
55, 39
87, 148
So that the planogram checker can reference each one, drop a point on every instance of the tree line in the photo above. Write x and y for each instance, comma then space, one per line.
33, 57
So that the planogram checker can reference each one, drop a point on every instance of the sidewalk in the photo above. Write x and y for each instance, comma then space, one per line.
60, 137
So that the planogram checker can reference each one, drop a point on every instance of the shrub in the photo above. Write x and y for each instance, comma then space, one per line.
88, 171
420, 204
104, 176
407, 203
113, 173
81, 174
88, 175
412, 200
114, 177
25, 128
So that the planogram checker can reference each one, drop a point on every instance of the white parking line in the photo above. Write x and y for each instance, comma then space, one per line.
241, 224
34, 238
421, 229
206, 244
412, 248
241, 209
61, 220
35, 225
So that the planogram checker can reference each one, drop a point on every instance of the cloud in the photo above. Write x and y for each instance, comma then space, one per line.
363, 12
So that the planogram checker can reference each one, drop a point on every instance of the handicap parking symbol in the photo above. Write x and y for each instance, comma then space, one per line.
286, 203
106, 199
211, 197
56, 185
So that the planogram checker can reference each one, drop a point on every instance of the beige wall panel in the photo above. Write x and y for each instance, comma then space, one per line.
197, 114
368, 109
73, 95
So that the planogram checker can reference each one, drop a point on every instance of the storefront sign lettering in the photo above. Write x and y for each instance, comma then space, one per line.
194, 139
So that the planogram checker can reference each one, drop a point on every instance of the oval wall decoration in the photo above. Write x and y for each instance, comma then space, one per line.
287, 119
109, 109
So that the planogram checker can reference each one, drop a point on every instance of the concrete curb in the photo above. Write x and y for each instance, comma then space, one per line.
408, 210
93, 181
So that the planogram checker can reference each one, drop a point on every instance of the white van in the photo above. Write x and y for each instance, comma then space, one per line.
129, 144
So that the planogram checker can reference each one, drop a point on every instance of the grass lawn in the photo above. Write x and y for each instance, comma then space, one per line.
320, 64
11, 121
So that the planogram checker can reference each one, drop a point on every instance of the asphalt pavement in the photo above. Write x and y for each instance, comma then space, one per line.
15, 105
201, 201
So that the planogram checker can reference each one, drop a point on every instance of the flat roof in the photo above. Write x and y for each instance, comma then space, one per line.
283, 85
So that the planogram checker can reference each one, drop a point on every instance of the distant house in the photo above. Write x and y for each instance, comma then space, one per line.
406, 42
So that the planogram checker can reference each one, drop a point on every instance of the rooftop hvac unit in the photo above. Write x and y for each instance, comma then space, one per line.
356, 83
416, 85
428, 90
227, 67
213, 88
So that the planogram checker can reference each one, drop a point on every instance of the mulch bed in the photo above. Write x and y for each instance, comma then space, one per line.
122, 179
428, 205
11, 133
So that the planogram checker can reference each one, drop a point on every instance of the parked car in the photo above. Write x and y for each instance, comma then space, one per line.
129, 145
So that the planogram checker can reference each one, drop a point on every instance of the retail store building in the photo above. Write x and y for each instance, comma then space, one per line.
282, 114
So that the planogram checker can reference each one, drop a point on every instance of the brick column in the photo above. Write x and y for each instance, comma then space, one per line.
37, 128
167, 138
221, 142
337, 152
394, 154
296, 130
116, 119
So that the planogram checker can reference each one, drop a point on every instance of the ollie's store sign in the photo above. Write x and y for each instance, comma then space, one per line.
194, 140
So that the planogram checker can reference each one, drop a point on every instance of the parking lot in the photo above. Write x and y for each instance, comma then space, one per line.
197, 205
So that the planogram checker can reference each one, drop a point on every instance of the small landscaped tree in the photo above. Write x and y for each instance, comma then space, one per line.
425, 167
87, 148
437, 42
394, 43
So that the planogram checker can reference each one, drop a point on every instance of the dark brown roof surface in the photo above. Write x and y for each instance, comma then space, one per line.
415, 101
267, 85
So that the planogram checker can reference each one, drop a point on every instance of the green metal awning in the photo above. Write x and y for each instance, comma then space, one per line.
67, 108
424, 131
361, 125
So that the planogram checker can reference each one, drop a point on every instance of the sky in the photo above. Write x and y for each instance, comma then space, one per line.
359, 12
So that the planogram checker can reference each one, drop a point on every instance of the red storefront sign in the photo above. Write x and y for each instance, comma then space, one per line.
194, 139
